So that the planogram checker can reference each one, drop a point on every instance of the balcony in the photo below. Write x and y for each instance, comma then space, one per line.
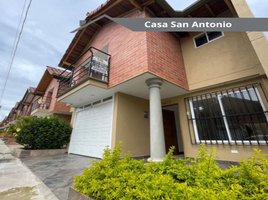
92, 64
41, 106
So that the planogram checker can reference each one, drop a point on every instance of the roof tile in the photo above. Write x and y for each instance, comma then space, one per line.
56, 71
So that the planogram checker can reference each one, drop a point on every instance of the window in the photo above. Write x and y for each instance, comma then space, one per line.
206, 37
234, 116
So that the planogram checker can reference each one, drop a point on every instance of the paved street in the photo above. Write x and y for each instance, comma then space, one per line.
57, 171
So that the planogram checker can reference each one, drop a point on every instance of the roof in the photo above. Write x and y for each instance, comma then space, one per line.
27, 98
17, 104
102, 6
119, 8
54, 71
47, 77
32, 89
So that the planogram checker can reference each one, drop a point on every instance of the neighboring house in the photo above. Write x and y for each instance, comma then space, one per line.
12, 115
25, 105
2, 123
22, 108
10, 118
41, 101
13, 112
153, 90
45, 102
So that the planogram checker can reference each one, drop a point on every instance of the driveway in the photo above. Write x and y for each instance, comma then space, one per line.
57, 171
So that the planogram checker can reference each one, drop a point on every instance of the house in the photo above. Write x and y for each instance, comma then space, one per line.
3, 123
154, 90
44, 103
25, 105
13, 112
9, 119
41, 101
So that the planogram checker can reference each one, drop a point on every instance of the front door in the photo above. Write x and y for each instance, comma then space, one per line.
170, 131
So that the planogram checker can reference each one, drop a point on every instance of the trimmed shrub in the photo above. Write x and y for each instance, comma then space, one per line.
199, 178
42, 133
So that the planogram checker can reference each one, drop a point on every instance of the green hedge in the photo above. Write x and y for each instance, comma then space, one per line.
127, 178
41, 133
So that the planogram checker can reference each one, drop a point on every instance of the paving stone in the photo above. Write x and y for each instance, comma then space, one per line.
57, 171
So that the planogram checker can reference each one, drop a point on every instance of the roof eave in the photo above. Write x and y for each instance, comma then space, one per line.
183, 13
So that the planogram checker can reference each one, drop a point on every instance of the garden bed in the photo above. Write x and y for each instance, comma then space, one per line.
127, 178
24, 153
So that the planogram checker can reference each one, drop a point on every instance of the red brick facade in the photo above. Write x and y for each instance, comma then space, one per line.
165, 57
55, 105
134, 53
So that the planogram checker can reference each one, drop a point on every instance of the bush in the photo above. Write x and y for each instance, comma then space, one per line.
41, 133
127, 178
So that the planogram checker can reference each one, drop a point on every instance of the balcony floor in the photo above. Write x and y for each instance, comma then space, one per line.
94, 90
40, 112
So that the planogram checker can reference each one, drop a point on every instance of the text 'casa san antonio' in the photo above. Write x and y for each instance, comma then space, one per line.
195, 24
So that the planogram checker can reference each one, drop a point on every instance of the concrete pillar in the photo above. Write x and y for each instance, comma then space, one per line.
157, 138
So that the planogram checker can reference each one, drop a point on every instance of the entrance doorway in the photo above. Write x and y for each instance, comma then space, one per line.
172, 129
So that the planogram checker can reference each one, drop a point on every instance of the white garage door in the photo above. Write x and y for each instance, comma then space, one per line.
92, 130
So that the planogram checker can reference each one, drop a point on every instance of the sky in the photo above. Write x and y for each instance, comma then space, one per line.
46, 36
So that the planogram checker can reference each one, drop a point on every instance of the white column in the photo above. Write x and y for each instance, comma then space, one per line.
157, 138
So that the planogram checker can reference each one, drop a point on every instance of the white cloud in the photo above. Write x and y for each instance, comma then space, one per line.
28, 71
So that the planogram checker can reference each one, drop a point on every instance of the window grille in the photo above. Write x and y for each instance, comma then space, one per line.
235, 116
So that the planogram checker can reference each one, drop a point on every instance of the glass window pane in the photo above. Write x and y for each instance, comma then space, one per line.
213, 35
209, 119
201, 40
245, 116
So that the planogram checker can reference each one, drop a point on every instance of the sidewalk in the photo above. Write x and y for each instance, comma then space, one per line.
5, 153
17, 182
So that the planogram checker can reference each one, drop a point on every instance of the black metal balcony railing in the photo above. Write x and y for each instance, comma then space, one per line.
85, 67
42, 103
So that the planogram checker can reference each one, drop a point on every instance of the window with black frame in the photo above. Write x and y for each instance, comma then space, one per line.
235, 115
206, 37
208, 118
245, 115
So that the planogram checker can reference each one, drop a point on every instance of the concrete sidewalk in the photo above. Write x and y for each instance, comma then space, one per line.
5, 152
17, 182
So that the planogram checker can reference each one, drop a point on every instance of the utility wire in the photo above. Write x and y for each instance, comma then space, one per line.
16, 47
12, 50
17, 32
13, 47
